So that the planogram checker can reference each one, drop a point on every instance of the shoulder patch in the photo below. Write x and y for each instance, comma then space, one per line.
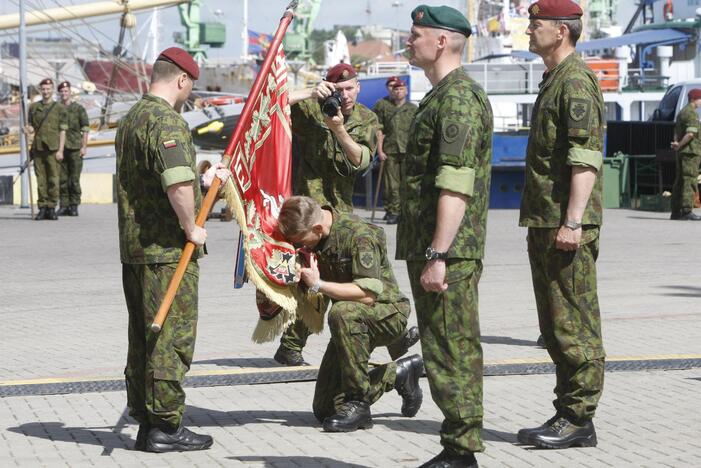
367, 260
578, 113
454, 135
170, 144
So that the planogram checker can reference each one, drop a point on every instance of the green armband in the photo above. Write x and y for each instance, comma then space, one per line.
585, 157
85, 129
364, 158
691, 130
370, 284
63, 126
176, 175
456, 179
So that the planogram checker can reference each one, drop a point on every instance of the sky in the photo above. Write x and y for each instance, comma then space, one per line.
264, 16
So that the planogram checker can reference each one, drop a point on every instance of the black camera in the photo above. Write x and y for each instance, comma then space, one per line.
331, 104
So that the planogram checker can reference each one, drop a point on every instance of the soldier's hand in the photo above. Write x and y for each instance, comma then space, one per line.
59, 156
674, 145
323, 90
197, 236
310, 275
382, 156
568, 239
335, 123
219, 170
28, 129
433, 276
83, 151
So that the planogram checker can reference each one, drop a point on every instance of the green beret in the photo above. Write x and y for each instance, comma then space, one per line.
441, 17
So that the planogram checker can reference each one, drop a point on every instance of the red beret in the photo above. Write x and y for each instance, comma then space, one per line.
555, 10
182, 59
694, 94
63, 84
394, 81
48, 81
341, 72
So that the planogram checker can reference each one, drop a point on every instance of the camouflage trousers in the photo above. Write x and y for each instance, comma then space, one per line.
356, 330
71, 167
157, 362
452, 351
47, 170
391, 178
686, 183
564, 283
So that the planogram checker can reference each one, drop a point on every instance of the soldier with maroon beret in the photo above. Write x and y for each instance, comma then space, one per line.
561, 207
688, 146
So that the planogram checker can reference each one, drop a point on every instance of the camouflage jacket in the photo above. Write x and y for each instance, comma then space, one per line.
566, 130
47, 135
450, 148
324, 173
688, 122
356, 252
395, 123
154, 151
75, 124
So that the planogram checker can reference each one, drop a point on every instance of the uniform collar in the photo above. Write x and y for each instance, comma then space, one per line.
452, 77
158, 99
550, 75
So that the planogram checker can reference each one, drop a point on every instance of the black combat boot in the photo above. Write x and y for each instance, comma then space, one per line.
409, 370
73, 210
64, 211
179, 440
41, 214
400, 347
142, 436
525, 435
351, 416
449, 459
564, 434
289, 357
51, 214
392, 219
541, 342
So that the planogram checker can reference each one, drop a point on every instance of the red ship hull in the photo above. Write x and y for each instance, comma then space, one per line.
129, 77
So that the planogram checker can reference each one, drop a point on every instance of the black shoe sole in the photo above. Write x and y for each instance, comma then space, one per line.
348, 429
589, 441
164, 448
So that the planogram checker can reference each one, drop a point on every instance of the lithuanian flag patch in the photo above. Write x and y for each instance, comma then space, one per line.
170, 144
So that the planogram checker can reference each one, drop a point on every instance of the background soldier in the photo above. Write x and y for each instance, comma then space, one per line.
688, 146
561, 207
158, 194
368, 310
332, 150
45, 118
76, 125
395, 114
441, 231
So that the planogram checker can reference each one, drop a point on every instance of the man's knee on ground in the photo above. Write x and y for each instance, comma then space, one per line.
341, 314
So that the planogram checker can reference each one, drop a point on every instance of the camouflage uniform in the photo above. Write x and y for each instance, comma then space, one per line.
44, 147
688, 160
394, 123
324, 172
154, 151
450, 148
356, 252
566, 131
75, 125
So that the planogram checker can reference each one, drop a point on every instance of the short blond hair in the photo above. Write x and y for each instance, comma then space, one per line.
298, 216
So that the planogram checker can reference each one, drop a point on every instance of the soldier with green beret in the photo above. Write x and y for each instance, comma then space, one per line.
76, 127
442, 225
688, 146
332, 151
368, 310
45, 118
561, 207
395, 114
158, 195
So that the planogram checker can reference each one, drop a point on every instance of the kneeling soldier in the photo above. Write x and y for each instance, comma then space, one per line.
368, 310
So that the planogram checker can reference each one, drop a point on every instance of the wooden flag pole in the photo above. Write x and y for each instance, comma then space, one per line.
210, 198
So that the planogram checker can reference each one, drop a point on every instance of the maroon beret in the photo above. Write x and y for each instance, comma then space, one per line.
182, 59
341, 72
555, 10
63, 84
394, 81
694, 94
48, 81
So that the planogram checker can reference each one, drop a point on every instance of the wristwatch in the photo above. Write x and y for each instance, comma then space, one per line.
574, 225
433, 254
315, 288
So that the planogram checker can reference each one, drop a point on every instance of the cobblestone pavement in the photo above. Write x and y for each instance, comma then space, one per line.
64, 318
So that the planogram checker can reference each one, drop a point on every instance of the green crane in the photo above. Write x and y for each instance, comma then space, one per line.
296, 43
199, 34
